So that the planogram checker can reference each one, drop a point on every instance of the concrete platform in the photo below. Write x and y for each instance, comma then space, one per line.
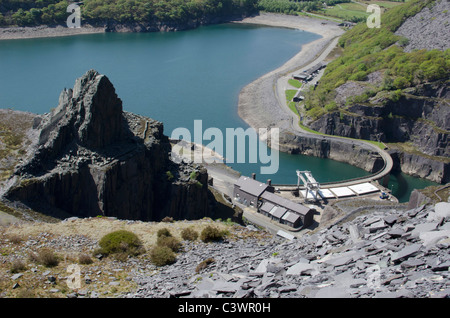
324, 194
342, 192
364, 188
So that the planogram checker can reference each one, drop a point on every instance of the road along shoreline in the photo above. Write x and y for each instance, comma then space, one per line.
258, 104
262, 103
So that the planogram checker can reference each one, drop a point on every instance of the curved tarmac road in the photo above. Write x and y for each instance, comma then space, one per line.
260, 102
279, 92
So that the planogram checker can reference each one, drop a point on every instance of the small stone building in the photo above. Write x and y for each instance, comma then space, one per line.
248, 191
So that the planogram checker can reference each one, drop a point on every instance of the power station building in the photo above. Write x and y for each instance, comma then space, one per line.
261, 196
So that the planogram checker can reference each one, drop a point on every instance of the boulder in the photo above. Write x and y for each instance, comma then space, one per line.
442, 209
406, 252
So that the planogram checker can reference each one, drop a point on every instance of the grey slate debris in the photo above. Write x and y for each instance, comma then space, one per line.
396, 253
405, 253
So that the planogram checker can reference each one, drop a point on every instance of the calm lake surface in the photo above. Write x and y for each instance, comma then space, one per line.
175, 78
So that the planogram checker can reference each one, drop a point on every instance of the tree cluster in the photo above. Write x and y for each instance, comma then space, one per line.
292, 7
48, 12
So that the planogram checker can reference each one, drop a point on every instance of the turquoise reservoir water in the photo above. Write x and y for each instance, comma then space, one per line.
172, 77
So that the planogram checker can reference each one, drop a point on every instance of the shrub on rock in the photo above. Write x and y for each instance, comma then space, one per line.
170, 242
163, 232
162, 255
45, 257
211, 234
121, 242
189, 234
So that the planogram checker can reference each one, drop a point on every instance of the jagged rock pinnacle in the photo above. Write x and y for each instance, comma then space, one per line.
90, 159
90, 114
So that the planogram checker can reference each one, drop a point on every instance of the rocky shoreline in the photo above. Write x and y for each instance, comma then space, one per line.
260, 102
48, 31
259, 105
15, 33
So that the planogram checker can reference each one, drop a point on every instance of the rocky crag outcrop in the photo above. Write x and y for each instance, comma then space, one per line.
420, 115
381, 254
361, 156
420, 118
412, 117
91, 158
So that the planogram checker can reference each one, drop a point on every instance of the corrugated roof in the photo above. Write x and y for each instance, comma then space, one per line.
301, 75
251, 186
294, 207
291, 217
278, 212
266, 207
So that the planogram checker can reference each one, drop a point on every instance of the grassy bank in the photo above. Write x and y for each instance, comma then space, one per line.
367, 50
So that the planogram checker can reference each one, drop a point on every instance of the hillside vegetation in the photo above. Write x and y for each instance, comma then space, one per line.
30, 13
294, 7
387, 86
368, 50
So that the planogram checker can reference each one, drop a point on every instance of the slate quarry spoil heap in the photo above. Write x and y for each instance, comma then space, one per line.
91, 158
394, 253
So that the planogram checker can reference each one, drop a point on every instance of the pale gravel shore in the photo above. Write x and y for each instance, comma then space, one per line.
260, 105
17, 33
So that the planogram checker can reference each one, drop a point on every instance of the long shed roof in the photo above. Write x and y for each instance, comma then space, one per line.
251, 186
266, 207
288, 204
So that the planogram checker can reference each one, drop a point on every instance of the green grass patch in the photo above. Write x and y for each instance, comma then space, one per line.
193, 175
295, 83
290, 93
320, 16
354, 12
384, 4
293, 108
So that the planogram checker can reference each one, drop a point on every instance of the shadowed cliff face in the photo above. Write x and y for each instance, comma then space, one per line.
91, 158
419, 118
